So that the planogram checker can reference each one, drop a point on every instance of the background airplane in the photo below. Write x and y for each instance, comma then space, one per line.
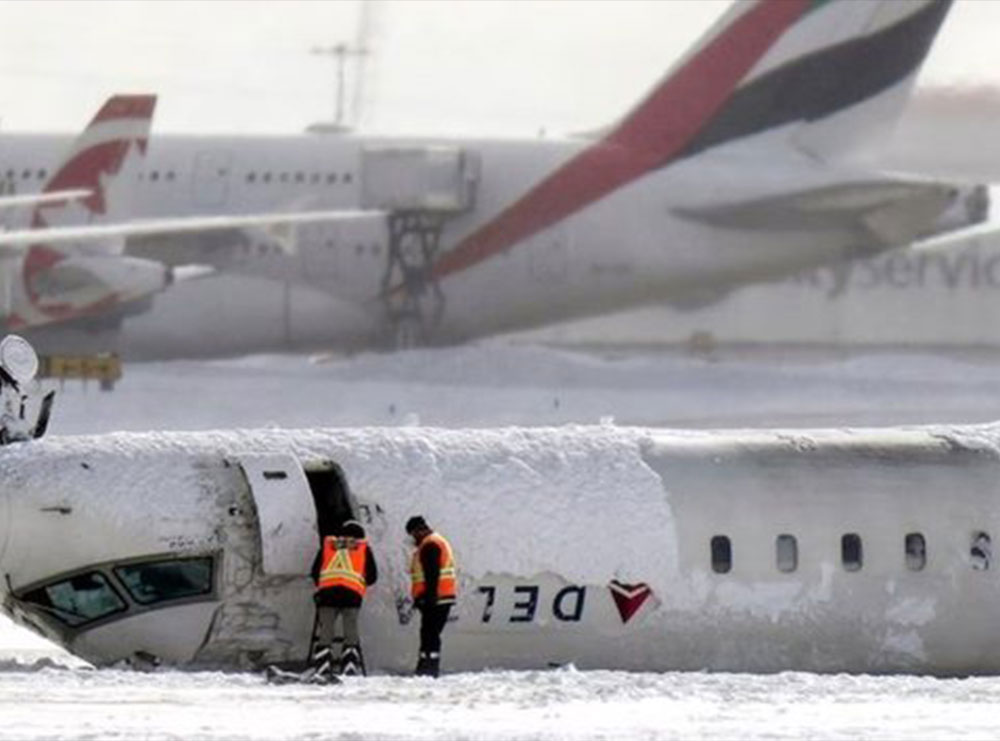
741, 165
68, 262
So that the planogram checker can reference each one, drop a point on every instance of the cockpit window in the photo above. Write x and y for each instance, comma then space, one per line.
157, 581
79, 599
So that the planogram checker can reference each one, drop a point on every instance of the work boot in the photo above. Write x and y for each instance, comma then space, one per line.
428, 664
351, 663
322, 665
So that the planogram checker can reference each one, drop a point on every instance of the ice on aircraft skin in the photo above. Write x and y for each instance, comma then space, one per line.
605, 547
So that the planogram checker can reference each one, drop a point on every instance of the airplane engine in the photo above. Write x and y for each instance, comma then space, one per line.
89, 278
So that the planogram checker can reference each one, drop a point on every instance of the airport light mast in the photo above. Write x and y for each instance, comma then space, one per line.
339, 52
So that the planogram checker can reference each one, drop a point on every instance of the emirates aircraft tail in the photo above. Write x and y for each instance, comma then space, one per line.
830, 75
806, 77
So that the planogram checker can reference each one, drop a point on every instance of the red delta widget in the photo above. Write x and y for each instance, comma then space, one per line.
547, 600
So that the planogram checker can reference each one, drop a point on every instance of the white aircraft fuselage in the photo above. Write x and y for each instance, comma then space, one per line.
606, 547
675, 234
740, 164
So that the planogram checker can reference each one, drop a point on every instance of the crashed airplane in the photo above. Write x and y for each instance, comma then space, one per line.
825, 551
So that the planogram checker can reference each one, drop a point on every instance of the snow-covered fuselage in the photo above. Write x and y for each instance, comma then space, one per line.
847, 550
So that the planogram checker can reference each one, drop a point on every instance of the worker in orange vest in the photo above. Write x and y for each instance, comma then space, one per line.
433, 586
343, 570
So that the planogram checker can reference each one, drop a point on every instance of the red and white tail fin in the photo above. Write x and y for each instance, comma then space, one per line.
97, 156
92, 163
806, 76
826, 76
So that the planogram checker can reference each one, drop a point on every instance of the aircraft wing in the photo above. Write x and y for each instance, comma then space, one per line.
889, 212
37, 199
957, 237
19, 240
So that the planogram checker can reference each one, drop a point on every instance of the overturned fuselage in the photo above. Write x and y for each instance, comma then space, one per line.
847, 550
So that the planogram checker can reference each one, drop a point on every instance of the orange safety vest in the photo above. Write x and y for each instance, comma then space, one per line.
343, 564
447, 585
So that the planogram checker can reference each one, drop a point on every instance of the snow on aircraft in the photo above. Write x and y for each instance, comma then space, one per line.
70, 262
604, 547
741, 165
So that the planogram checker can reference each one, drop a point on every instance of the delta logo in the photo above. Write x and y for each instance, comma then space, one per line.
629, 598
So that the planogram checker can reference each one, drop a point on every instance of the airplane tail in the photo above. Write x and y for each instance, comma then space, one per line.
815, 77
832, 75
92, 163
96, 156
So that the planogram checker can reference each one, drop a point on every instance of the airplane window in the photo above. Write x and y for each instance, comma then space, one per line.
299, 177
331, 178
786, 551
79, 599
40, 174
981, 551
916, 551
284, 177
722, 554
359, 249
26, 174
251, 177
850, 552
170, 174
267, 177
314, 178
347, 177
10, 174
156, 581
154, 175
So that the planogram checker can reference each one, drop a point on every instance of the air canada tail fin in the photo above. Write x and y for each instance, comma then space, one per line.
812, 76
97, 156
830, 74
92, 163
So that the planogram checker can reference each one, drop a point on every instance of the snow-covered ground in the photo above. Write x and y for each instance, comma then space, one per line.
558, 704
497, 384
493, 384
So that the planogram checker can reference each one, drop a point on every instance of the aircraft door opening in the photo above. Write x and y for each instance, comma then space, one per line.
331, 497
210, 183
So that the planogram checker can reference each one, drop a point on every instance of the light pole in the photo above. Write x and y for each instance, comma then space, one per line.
339, 52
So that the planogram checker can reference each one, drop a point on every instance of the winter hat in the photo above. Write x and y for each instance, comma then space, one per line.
416, 523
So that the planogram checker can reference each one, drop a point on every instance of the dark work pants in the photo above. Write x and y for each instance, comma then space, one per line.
432, 620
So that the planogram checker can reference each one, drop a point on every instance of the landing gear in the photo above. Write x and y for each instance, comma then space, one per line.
414, 303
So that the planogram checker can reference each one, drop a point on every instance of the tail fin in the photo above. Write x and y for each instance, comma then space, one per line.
92, 162
837, 71
97, 155
820, 75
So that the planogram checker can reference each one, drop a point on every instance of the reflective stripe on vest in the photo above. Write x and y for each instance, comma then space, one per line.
343, 564
447, 586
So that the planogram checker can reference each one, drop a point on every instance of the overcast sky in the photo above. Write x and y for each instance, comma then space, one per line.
509, 68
